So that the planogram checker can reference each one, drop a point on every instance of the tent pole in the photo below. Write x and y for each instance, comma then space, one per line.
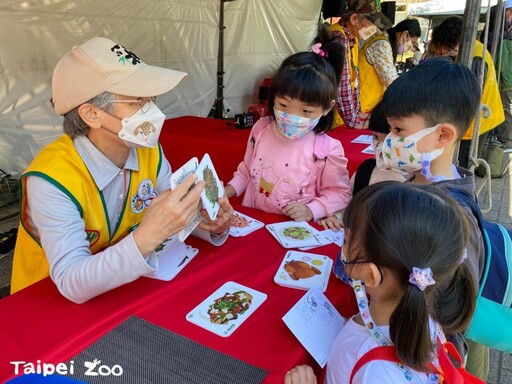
219, 100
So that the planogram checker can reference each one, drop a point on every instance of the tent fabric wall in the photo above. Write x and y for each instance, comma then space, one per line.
179, 34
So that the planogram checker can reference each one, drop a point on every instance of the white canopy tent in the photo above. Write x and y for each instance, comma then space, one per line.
179, 34
443, 8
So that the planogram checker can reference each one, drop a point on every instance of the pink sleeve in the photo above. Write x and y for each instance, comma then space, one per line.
334, 192
242, 176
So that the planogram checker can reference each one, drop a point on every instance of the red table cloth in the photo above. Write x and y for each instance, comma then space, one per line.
185, 137
38, 323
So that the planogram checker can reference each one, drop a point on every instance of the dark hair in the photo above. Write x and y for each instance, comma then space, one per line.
448, 33
438, 90
408, 25
311, 78
378, 122
399, 226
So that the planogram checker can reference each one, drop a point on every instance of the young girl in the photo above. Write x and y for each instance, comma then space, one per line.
291, 166
403, 243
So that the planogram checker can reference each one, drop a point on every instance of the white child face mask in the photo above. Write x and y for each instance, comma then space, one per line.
142, 129
401, 153
366, 32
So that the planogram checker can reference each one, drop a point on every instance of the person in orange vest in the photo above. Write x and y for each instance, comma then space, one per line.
358, 24
375, 57
96, 203
445, 42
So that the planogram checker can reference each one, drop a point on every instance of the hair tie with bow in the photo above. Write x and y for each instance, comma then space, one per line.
317, 48
421, 278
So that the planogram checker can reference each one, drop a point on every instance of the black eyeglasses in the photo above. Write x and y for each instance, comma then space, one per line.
345, 263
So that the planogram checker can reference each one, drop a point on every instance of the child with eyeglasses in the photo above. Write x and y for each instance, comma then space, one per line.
291, 166
403, 242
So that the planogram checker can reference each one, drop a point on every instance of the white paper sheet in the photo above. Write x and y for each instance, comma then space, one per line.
315, 323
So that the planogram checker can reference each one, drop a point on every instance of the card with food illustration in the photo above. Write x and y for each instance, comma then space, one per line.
303, 270
296, 234
226, 308
242, 225
177, 178
173, 256
213, 189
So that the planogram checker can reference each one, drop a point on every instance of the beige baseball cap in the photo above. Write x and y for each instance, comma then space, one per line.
100, 65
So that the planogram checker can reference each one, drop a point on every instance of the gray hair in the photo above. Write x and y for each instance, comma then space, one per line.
74, 125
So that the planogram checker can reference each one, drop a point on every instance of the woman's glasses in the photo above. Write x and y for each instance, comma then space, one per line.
142, 101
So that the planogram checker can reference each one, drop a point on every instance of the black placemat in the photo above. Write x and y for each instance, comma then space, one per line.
150, 354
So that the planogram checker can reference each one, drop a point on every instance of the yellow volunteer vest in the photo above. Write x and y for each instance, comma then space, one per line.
60, 164
371, 88
352, 56
490, 96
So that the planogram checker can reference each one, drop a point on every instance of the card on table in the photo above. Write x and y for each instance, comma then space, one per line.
173, 256
315, 323
363, 139
242, 225
227, 308
295, 234
304, 270
213, 189
369, 150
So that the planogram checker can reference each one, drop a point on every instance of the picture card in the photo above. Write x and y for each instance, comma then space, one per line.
369, 150
177, 178
183, 172
213, 189
315, 323
242, 225
363, 139
173, 256
304, 270
324, 240
227, 308
295, 234
335, 235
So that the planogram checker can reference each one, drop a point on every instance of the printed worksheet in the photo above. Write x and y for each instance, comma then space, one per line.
315, 323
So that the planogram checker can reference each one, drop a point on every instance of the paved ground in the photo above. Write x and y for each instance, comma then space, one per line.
500, 363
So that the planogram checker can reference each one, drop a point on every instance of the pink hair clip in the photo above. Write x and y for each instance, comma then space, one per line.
317, 48
421, 278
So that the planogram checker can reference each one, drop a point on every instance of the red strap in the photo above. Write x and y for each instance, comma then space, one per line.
387, 353
450, 373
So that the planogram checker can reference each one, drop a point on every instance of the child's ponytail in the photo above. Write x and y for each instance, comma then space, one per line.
330, 50
409, 329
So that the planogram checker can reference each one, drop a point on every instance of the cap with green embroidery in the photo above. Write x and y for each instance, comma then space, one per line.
371, 9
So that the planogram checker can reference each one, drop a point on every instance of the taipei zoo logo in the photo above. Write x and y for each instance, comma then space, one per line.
90, 368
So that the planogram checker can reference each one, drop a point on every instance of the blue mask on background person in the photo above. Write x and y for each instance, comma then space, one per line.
294, 127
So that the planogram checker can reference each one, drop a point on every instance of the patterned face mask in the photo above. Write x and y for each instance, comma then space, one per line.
379, 155
294, 127
401, 153
143, 128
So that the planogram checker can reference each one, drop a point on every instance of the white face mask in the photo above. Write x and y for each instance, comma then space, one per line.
366, 32
401, 153
143, 128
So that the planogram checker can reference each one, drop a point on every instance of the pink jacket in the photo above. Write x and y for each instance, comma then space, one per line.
277, 171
